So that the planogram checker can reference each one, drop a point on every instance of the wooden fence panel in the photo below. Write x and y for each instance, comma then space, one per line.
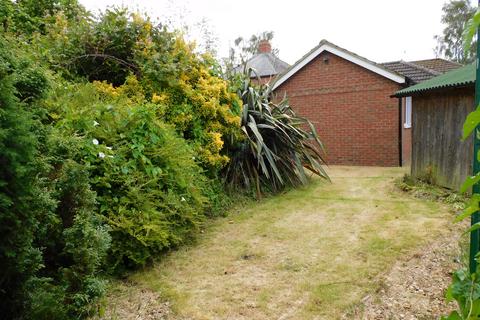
437, 121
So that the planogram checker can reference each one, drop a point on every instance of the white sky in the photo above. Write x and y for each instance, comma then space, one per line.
379, 30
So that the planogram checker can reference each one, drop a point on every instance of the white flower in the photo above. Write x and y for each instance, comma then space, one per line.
109, 148
183, 199
95, 123
101, 155
95, 141
193, 158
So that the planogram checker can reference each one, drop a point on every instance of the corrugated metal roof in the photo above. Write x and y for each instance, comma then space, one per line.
265, 64
457, 78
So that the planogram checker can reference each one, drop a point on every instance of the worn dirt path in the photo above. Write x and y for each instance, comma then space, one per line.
323, 252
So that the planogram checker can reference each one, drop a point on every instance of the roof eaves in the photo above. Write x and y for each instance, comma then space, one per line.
324, 45
460, 77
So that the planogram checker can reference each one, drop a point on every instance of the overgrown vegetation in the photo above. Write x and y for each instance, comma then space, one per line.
424, 188
116, 143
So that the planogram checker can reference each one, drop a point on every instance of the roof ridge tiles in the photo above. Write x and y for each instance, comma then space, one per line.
412, 64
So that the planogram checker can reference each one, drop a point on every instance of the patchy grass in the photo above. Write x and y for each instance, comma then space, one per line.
311, 253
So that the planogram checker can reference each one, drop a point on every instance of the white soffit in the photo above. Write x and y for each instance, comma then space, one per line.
345, 55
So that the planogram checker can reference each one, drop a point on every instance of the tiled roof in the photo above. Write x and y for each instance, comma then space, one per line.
324, 45
461, 77
413, 72
265, 64
421, 70
437, 64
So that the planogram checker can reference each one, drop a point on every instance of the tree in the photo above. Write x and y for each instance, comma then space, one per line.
243, 50
456, 14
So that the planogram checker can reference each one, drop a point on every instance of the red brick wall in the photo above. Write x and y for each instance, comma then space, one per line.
263, 80
351, 107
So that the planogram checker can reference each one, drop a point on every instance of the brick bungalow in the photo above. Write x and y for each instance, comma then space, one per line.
349, 99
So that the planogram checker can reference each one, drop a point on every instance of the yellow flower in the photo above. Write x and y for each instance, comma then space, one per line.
159, 98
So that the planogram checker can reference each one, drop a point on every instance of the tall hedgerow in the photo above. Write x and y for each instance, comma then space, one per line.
52, 242
19, 206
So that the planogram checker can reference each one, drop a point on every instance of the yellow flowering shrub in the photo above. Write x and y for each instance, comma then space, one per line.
199, 104
146, 63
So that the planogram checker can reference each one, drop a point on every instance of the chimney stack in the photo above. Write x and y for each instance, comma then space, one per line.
264, 46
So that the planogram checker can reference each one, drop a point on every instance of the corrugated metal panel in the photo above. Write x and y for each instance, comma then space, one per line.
457, 78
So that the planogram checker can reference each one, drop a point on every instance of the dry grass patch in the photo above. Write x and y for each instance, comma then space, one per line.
307, 254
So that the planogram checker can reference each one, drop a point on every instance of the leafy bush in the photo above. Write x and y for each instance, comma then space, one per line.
29, 16
123, 47
149, 186
201, 107
277, 147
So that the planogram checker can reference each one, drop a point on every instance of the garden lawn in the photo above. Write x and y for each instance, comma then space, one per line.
311, 253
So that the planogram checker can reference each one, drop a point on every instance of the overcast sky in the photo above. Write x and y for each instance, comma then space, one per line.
379, 30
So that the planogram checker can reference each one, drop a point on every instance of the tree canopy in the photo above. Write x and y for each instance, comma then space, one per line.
456, 14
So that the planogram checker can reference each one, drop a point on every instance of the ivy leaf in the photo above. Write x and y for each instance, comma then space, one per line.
476, 226
471, 122
466, 213
472, 207
469, 182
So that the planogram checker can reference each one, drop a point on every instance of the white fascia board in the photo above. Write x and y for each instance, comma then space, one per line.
369, 66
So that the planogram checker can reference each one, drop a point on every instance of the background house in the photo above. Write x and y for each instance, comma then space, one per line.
440, 106
266, 65
349, 99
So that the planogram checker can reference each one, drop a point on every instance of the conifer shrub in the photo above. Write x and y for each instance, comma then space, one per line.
52, 242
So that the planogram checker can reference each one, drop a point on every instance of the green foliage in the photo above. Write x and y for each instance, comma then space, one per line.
29, 16
149, 187
465, 290
121, 46
52, 243
470, 31
19, 207
277, 147
456, 14
471, 122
